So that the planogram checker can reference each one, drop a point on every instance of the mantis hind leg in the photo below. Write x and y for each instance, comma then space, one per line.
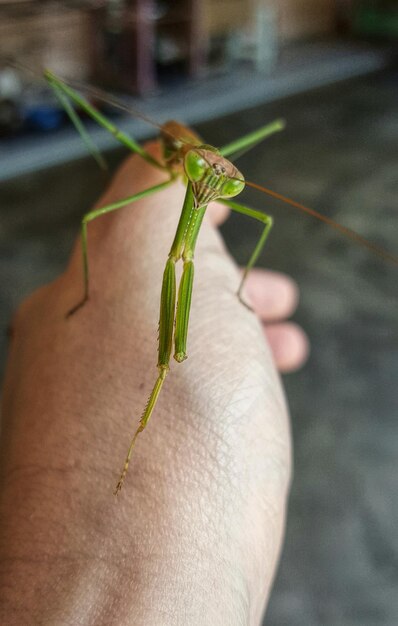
78, 124
264, 219
168, 314
92, 215
64, 92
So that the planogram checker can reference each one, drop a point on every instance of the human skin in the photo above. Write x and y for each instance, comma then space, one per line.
194, 536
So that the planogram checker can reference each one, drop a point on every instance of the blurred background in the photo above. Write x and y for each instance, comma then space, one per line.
227, 67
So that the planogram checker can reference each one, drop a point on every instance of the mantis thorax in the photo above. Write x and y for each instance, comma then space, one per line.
177, 139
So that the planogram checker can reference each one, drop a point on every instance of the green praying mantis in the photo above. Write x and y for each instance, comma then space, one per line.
209, 175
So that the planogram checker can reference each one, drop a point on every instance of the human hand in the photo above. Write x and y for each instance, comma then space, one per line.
195, 534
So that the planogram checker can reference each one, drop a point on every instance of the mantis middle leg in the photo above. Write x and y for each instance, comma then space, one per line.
264, 219
240, 146
92, 215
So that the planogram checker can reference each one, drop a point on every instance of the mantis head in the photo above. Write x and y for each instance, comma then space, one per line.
212, 176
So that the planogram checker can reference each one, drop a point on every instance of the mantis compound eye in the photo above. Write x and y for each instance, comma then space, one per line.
195, 166
232, 187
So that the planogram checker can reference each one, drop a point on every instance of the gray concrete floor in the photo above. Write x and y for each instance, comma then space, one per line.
339, 154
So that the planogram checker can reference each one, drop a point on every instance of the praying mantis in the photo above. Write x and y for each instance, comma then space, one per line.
209, 175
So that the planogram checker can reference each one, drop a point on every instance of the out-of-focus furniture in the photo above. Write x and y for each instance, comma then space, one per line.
40, 34
133, 39
255, 28
247, 30
296, 18
120, 43
128, 44
300, 19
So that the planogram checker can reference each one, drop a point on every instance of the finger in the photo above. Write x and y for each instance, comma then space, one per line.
289, 345
274, 296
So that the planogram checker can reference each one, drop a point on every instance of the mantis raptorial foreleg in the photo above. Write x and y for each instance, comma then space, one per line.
173, 319
166, 325
92, 215
186, 283
261, 217
183, 310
